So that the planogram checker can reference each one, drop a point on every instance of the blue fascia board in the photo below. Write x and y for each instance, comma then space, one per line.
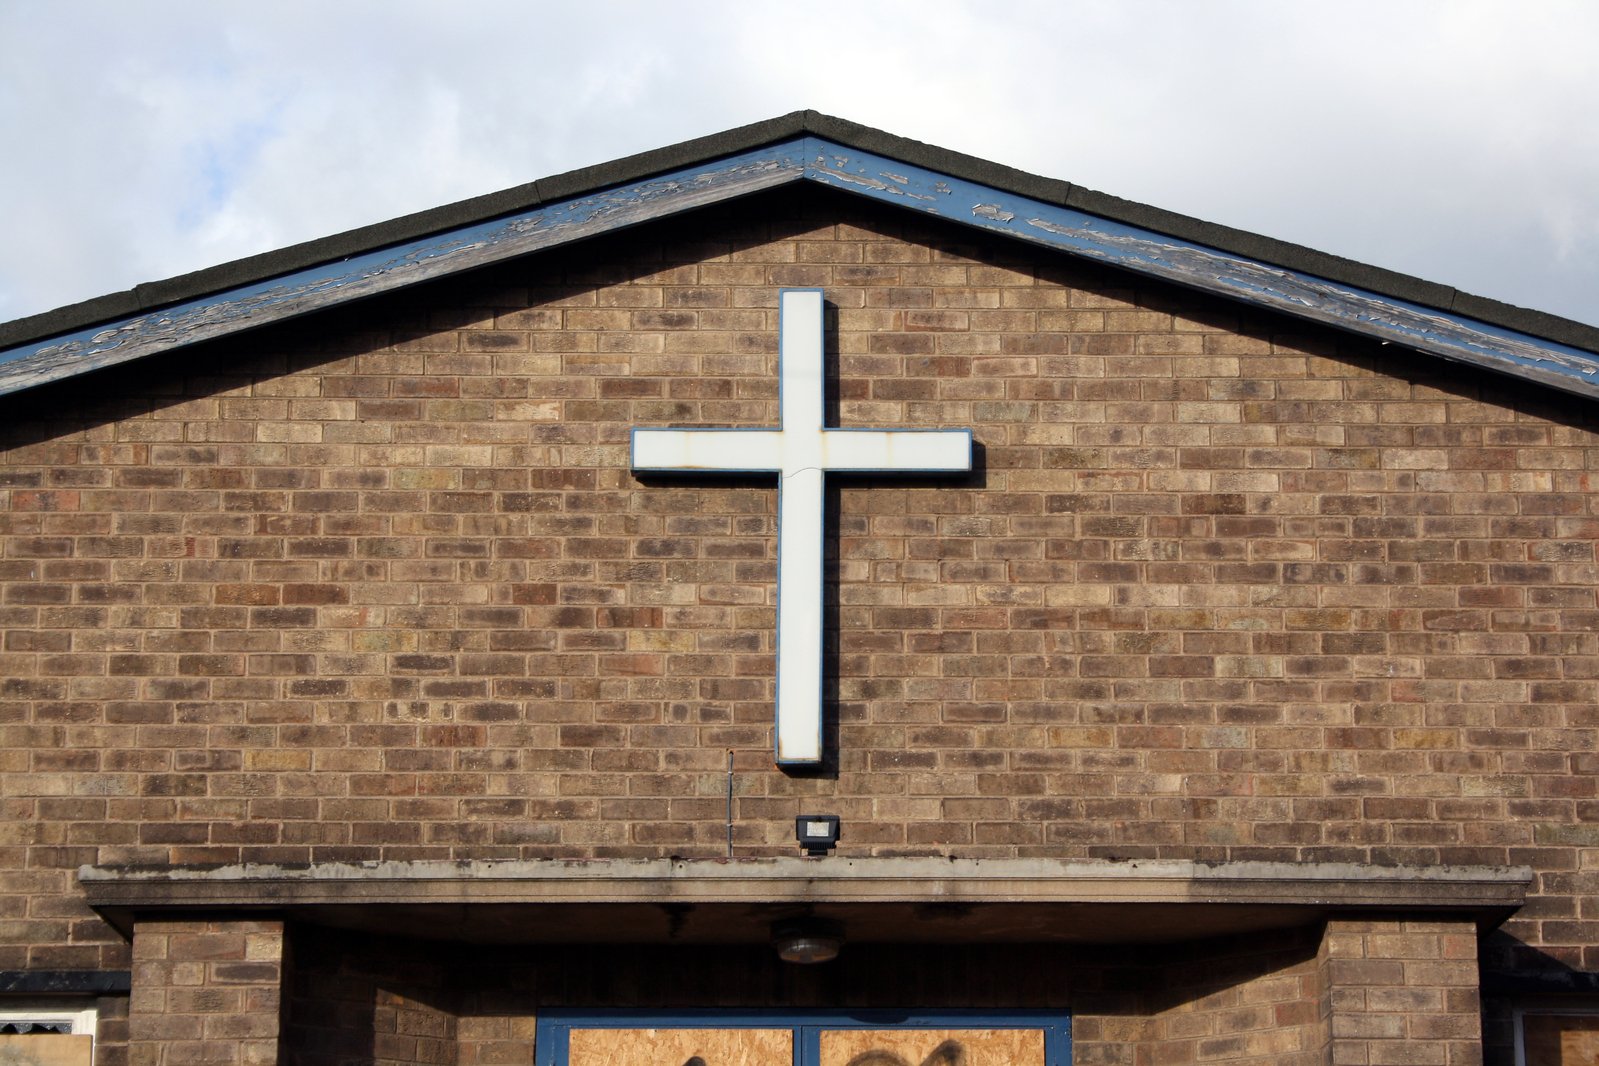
809, 158
315, 288
1194, 265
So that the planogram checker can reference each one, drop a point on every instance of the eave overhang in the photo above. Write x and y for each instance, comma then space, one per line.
883, 900
1390, 308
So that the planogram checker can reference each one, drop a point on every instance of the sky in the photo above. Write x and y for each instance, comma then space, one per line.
1456, 140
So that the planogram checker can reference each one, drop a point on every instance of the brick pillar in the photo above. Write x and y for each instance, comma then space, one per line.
1401, 992
205, 992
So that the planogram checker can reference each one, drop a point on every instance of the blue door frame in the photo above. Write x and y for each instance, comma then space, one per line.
552, 1035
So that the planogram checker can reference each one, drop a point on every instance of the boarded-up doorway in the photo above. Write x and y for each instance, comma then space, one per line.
870, 1038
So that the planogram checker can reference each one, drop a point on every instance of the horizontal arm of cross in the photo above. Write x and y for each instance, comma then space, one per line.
785, 451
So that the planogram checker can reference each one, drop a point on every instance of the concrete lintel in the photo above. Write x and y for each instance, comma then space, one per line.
887, 899
829, 880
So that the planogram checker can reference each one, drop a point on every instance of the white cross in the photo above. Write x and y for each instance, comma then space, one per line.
800, 452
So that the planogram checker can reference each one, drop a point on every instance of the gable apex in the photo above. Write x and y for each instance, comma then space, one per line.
801, 146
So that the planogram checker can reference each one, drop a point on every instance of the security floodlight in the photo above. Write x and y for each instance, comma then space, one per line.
817, 833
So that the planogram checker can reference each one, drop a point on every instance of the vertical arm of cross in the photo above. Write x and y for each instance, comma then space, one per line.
800, 524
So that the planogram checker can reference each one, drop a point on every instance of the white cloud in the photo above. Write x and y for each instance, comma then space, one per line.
1447, 140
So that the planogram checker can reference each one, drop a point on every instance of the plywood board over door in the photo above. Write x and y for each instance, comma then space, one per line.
681, 1047
47, 1049
932, 1047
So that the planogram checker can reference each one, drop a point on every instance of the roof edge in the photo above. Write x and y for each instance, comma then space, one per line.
150, 296
256, 268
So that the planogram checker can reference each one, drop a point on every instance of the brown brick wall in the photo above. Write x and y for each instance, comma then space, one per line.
1251, 1000
384, 1002
111, 1031
206, 992
382, 585
1402, 992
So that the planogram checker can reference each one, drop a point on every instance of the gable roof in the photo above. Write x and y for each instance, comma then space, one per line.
802, 146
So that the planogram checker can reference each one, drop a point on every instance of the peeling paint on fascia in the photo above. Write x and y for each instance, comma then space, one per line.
859, 177
1432, 331
1063, 229
541, 227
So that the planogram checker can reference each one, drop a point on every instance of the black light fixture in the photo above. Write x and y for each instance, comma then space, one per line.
807, 940
816, 833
